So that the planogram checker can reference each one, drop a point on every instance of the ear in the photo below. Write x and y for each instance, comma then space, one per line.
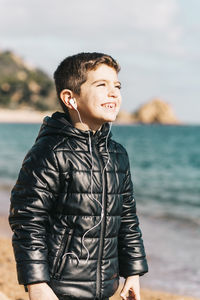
65, 96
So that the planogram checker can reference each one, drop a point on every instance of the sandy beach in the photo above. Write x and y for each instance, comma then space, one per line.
9, 288
22, 115
33, 116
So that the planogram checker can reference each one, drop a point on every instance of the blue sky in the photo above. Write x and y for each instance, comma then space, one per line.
155, 41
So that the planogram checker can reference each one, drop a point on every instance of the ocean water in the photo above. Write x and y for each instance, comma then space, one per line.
165, 165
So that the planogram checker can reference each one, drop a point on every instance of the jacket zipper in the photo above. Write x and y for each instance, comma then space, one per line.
64, 246
102, 232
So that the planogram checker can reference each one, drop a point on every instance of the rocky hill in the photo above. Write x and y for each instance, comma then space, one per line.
152, 112
23, 86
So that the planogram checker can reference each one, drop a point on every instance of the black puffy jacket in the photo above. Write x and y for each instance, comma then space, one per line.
51, 209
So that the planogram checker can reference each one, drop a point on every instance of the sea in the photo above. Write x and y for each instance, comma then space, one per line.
165, 168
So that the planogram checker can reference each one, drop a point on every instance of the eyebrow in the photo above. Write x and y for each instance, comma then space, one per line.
105, 81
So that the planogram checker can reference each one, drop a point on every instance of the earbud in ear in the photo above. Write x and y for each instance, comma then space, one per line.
73, 103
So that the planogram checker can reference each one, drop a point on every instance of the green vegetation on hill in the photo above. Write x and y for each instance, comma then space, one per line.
23, 86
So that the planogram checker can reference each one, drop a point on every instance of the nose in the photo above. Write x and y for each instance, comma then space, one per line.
113, 92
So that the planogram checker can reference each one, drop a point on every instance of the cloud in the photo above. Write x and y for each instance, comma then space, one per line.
131, 25
50, 17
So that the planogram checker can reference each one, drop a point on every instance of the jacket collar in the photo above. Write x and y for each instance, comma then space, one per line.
61, 123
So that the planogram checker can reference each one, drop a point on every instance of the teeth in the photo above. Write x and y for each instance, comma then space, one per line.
109, 105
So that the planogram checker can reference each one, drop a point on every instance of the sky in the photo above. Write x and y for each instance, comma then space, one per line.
156, 42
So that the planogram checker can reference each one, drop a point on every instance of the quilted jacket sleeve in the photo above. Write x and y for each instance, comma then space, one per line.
132, 258
32, 199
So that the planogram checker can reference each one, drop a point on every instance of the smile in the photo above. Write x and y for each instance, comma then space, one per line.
110, 106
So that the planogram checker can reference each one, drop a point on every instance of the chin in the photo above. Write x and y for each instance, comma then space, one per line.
108, 118
111, 119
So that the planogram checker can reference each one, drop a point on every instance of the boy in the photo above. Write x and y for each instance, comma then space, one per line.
72, 208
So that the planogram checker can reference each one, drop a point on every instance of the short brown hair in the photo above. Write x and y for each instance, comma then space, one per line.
72, 71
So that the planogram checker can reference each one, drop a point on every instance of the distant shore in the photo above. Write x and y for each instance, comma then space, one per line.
22, 115
12, 291
32, 116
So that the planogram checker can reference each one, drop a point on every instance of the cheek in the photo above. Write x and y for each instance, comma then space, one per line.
119, 100
98, 98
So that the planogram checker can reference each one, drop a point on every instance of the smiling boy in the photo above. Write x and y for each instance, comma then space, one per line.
72, 211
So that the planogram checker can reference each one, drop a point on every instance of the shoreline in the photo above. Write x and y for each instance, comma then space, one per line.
30, 116
13, 291
22, 116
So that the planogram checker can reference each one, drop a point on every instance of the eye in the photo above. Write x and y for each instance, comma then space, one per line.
101, 84
118, 87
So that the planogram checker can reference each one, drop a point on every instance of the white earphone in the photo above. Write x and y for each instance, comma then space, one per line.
73, 103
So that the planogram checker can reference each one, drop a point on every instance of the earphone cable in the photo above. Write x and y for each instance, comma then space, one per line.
91, 193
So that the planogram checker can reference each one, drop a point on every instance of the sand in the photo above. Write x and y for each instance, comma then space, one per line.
10, 290
33, 116
22, 116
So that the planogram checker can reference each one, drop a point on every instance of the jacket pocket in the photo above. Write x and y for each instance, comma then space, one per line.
61, 258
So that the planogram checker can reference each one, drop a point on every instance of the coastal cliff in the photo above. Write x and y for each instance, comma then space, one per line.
152, 112
155, 111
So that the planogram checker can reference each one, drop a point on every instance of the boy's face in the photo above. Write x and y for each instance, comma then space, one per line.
100, 98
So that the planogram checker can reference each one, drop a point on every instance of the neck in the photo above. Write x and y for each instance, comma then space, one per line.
83, 125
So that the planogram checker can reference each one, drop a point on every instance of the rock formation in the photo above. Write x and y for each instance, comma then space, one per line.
155, 111
124, 117
152, 112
